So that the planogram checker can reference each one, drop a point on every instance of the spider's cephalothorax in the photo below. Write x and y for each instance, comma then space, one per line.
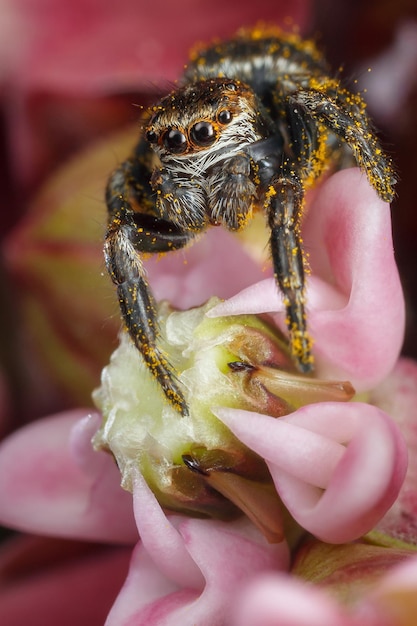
254, 122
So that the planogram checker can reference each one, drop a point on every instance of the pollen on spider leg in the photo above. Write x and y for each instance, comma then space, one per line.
301, 348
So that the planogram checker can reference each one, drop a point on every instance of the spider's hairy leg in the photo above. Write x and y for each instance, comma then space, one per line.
284, 201
343, 113
130, 233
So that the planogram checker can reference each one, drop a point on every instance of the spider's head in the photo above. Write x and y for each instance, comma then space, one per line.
204, 117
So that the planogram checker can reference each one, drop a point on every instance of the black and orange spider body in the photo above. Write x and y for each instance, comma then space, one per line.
253, 123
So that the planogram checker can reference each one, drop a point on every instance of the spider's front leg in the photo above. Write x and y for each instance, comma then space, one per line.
284, 201
129, 234
344, 114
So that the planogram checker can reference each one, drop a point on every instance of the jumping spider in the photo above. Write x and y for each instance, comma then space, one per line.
252, 124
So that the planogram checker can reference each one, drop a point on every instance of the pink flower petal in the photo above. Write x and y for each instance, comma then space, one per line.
162, 540
303, 453
355, 301
147, 595
277, 600
355, 227
160, 588
44, 490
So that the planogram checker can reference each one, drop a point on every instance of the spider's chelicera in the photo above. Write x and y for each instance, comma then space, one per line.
253, 123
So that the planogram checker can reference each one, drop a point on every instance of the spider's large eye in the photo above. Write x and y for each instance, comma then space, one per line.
224, 116
175, 141
203, 133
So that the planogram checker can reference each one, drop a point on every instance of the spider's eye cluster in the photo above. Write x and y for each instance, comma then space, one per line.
203, 133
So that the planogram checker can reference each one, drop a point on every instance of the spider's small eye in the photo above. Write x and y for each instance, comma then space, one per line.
151, 136
175, 141
203, 133
224, 116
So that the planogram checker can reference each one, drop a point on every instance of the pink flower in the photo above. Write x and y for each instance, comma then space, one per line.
337, 466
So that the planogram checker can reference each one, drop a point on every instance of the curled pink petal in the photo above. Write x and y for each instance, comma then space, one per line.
164, 537
355, 303
276, 599
224, 556
43, 489
348, 235
162, 540
303, 453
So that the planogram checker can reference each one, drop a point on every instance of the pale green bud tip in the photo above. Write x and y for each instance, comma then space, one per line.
193, 463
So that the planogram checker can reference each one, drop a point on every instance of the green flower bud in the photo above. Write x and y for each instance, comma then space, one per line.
193, 463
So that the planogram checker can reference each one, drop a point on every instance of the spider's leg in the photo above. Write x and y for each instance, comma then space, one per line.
130, 233
344, 114
284, 201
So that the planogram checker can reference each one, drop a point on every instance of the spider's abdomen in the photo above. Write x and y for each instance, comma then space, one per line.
260, 59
